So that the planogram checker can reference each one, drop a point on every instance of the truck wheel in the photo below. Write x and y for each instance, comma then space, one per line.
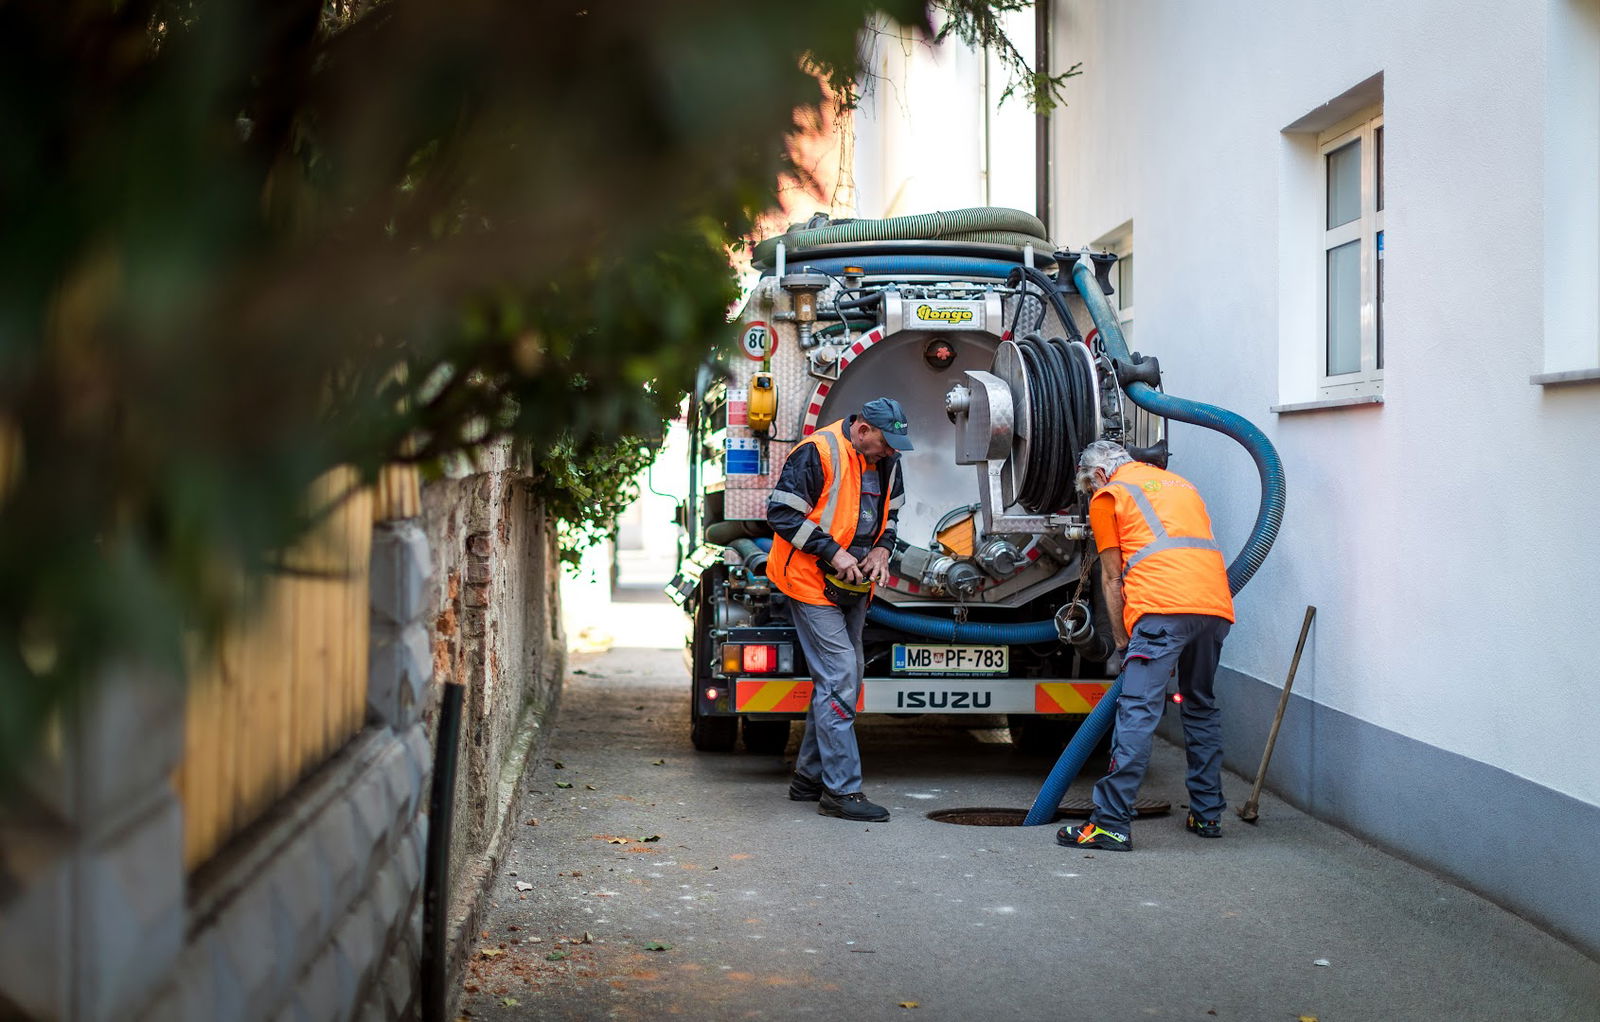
766, 737
712, 734
707, 734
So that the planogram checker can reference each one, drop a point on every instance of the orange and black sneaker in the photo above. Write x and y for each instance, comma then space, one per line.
1091, 835
1205, 828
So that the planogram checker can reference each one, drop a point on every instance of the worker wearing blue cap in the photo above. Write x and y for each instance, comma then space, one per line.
833, 514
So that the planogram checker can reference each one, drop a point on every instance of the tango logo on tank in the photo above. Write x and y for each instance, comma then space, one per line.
948, 314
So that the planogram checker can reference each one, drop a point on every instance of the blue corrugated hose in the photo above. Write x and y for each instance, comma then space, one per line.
1268, 519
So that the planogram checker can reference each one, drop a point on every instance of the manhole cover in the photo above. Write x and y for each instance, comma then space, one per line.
993, 817
1082, 807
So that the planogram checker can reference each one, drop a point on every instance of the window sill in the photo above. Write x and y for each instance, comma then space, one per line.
1567, 377
1327, 403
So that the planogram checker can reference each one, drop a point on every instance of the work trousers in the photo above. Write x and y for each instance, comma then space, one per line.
1164, 647
831, 640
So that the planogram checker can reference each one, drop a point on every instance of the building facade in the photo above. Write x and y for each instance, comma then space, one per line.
1374, 229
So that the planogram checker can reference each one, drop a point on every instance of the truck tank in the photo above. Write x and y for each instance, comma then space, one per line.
972, 321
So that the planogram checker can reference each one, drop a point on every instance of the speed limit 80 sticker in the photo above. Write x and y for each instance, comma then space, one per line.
757, 341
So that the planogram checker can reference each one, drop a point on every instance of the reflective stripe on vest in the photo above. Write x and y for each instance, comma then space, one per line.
830, 506
793, 500
799, 575
1152, 521
894, 502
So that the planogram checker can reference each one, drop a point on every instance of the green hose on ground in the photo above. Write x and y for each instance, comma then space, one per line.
994, 225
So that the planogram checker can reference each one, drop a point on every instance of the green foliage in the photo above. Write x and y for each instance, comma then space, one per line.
588, 491
980, 24
247, 240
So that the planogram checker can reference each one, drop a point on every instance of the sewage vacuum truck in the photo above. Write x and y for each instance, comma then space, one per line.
1006, 356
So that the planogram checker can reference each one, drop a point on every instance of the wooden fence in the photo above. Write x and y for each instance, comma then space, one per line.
287, 690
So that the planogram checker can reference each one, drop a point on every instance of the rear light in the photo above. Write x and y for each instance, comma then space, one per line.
711, 694
758, 658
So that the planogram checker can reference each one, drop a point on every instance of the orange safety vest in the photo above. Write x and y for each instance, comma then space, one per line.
836, 512
1170, 561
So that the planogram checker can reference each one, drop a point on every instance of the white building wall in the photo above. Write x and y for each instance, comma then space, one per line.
1447, 535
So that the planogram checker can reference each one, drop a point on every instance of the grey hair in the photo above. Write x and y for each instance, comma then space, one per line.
1106, 455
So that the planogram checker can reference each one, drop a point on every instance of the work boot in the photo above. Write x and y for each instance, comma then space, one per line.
1205, 828
853, 806
1092, 835
804, 789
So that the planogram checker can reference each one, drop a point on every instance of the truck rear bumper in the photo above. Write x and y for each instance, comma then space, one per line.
928, 695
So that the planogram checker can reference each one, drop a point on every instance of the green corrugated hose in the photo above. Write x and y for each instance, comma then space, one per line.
994, 225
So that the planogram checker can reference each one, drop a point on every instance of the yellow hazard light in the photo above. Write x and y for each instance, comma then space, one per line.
732, 658
761, 403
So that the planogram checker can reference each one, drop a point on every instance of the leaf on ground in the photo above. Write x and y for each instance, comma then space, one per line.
652, 837
556, 956
523, 885
591, 787
559, 765
659, 762
509, 1002
617, 840
563, 784
656, 945
490, 952
909, 1004
1308, 1018
533, 821
587, 938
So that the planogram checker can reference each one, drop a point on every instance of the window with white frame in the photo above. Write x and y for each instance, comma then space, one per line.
1120, 243
1351, 155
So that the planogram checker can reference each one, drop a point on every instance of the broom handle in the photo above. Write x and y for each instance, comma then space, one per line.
1283, 702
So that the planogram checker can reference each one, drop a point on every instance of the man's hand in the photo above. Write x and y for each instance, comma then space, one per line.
875, 566
846, 566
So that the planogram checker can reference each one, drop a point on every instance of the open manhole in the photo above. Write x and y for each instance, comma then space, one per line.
1071, 809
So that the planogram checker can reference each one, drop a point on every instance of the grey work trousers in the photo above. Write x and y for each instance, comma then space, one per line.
831, 640
1164, 646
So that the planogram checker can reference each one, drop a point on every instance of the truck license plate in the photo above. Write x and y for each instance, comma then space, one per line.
909, 659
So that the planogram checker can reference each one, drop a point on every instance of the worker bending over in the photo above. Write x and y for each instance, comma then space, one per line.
1166, 588
834, 512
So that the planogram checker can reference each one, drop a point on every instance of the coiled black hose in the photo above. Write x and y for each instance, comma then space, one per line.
1061, 397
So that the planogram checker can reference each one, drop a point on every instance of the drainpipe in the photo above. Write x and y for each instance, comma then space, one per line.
1041, 120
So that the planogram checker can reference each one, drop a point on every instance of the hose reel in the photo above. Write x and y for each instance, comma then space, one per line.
1024, 424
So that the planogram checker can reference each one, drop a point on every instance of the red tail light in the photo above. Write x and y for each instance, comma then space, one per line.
760, 659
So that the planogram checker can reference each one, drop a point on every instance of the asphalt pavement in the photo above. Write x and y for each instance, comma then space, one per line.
648, 880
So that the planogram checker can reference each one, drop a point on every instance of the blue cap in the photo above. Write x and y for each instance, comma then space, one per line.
885, 414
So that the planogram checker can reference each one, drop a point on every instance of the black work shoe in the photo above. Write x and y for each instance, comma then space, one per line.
804, 789
853, 806
1090, 835
1205, 828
